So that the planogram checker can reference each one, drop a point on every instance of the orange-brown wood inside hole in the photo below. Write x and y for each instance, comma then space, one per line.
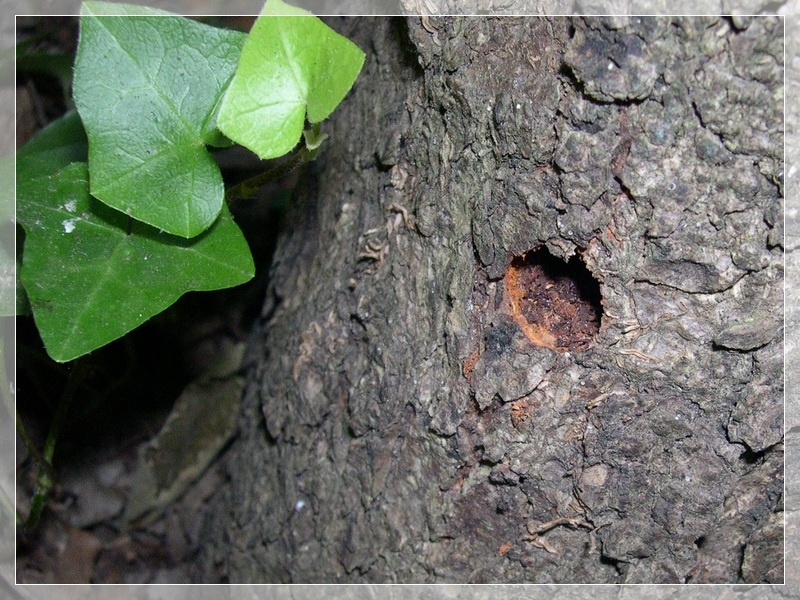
556, 304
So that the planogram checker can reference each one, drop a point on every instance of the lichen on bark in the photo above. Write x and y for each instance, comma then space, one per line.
399, 424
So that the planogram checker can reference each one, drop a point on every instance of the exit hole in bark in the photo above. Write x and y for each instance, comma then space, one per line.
556, 303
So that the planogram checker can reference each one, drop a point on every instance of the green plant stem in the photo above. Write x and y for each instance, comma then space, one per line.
44, 460
249, 187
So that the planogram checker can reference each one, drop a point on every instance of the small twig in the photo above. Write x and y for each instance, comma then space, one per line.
536, 531
637, 354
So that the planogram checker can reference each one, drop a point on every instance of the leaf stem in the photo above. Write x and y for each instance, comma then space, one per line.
44, 459
307, 153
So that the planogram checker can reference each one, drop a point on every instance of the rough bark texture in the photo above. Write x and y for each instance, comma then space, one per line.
400, 425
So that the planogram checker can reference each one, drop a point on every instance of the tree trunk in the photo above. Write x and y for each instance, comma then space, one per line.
430, 397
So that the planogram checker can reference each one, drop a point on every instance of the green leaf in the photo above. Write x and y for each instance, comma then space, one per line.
292, 67
113, 9
148, 87
92, 274
60, 143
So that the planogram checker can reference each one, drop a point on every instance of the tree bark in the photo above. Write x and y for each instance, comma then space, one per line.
403, 422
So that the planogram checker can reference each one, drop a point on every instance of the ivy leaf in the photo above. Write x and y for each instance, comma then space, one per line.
60, 143
147, 86
92, 274
292, 67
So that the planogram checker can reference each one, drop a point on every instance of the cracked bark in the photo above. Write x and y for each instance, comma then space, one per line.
400, 426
